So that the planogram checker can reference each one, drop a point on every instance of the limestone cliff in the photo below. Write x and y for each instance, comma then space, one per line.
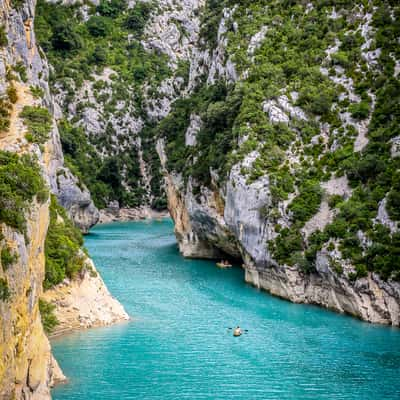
248, 210
27, 367
276, 126
84, 302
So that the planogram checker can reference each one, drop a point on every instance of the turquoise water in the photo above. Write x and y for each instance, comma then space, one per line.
178, 347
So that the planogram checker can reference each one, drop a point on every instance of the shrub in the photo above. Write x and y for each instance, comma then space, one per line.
65, 38
20, 68
12, 94
137, 18
39, 122
42, 195
4, 290
7, 258
334, 200
17, 4
5, 107
361, 271
393, 203
20, 181
111, 8
340, 58
3, 36
307, 203
288, 242
337, 267
98, 26
49, 320
99, 56
359, 110
62, 247
37, 91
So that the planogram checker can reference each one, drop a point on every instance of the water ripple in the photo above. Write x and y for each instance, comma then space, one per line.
178, 345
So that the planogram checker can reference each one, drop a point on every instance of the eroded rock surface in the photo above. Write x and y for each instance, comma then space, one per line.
84, 302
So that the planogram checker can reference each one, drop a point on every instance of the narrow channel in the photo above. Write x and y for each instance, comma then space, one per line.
178, 346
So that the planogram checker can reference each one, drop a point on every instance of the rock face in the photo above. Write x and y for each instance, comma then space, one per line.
76, 200
22, 49
71, 193
234, 225
238, 217
84, 302
27, 367
370, 299
114, 213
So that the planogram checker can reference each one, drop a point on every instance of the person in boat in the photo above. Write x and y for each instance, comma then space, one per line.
237, 331
225, 263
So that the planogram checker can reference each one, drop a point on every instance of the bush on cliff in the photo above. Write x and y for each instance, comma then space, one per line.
49, 320
63, 247
137, 18
7, 258
4, 290
20, 181
306, 204
3, 36
39, 123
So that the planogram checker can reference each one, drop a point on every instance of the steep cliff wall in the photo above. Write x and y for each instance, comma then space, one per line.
27, 366
283, 166
31, 165
276, 126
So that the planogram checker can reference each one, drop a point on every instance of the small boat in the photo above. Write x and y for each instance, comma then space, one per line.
237, 332
224, 264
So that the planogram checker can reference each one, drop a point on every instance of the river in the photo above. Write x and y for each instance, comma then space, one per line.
178, 346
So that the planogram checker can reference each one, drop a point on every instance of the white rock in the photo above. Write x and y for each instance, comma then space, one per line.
395, 148
193, 130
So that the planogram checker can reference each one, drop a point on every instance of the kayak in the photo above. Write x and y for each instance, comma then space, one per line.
237, 333
222, 265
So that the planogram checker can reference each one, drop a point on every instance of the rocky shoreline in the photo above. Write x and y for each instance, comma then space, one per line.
84, 302
115, 214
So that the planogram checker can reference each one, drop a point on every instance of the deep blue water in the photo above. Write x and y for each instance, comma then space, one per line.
178, 347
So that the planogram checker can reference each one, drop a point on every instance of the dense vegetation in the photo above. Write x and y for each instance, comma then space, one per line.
218, 106
314, 54
20, 182
79, 50
39, 122
63, 247
7, 257
49, 320
103, 176
288, 62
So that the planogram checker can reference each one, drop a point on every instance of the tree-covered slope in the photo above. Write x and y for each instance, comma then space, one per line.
276, 123
103, 79
316, 99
